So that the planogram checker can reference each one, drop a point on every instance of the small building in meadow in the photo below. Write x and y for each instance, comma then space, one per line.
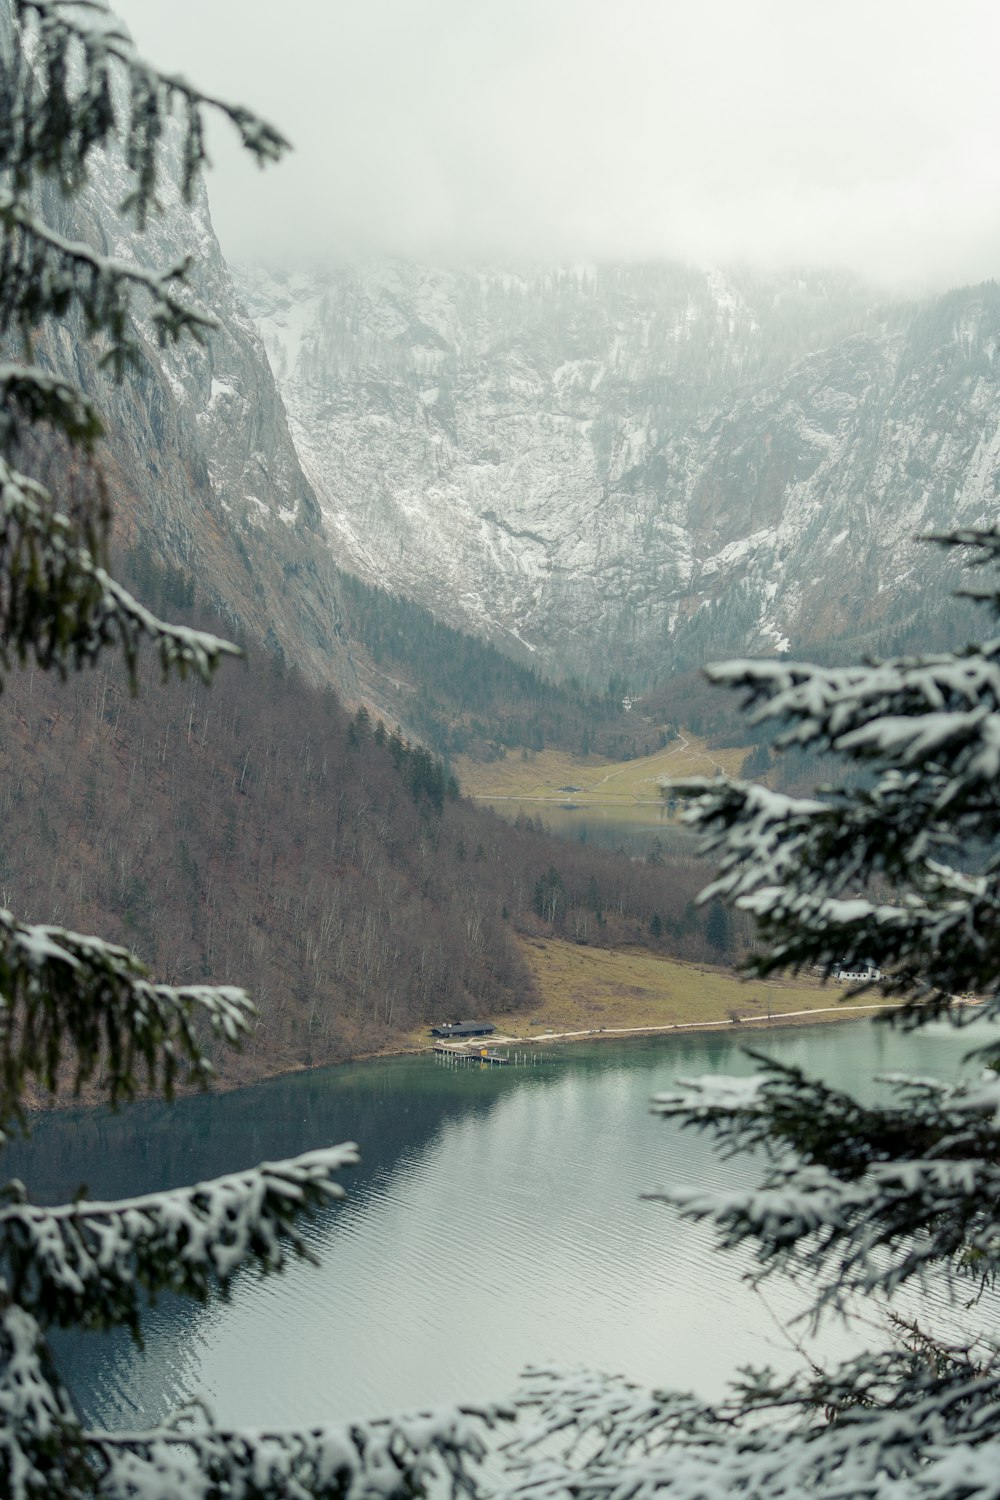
866, 972
454, 1029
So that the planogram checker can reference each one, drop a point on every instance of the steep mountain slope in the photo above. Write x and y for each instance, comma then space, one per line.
633, 467
201, 469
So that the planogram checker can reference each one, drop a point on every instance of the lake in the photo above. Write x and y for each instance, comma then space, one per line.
496, 1219
631, 827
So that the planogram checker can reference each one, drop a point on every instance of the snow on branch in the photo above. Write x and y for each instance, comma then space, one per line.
395, 1459
825, 704
29, 395
44, 1452
758, 835
899, 1220
43, 274
40, 1448
84, 85
881, 1425
870, 1196
57, 604
966, 745
934, 943
984, 545
804, 868
87, 1264
62, 990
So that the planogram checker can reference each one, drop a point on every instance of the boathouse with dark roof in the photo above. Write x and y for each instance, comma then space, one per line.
455, 1029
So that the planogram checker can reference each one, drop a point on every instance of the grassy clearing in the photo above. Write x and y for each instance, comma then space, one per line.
546, 775
588, 988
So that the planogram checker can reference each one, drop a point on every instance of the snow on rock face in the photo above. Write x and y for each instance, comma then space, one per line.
621, 465
201, 465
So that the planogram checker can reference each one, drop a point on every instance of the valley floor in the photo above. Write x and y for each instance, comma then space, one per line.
557, 777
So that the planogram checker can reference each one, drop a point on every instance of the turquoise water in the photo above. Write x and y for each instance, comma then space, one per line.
496, 1219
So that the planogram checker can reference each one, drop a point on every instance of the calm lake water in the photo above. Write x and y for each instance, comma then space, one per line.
496, 1219
606, 827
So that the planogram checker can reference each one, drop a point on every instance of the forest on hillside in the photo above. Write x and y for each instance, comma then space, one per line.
256, 833
462, 695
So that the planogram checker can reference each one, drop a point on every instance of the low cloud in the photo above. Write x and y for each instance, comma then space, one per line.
782, 131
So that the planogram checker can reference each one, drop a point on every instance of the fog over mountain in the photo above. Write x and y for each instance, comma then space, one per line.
781, 134
600, 465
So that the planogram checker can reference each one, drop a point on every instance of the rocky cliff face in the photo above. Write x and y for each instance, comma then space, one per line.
638, 467
201, 468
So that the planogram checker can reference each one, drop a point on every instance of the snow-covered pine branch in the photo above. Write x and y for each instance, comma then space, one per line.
87, 1264
982, 549
79, 83
870, 1196
30, 395
45, 1452
59, 606
41, 1449
62, 992
887, 1424
824, 704
43, 274
802, 867
396, 1459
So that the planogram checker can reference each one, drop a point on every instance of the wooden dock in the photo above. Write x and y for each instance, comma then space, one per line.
491, 1057
463, 1052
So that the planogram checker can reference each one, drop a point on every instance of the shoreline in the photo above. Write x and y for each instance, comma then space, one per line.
821, 1015
92, 1098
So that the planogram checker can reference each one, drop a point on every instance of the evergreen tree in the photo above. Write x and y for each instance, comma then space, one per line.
717, 927
855, 1201
71, 83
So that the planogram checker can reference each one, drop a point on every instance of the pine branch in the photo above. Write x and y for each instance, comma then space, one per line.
984, 546
86, 85
41, 1449
87, 1264
804, 868
58, 605
44, 1452
64, 991
916, 1438
870, 1197
43, 274
398, 1459
29, 395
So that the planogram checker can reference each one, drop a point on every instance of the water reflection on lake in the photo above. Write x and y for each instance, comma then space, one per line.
496, 1219
609, 827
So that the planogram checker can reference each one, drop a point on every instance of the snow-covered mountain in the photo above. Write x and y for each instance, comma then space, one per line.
638, 466
602, 468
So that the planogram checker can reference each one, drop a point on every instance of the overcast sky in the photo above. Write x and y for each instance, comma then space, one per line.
859, 133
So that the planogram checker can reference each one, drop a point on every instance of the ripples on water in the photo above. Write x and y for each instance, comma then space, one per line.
496, 1219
